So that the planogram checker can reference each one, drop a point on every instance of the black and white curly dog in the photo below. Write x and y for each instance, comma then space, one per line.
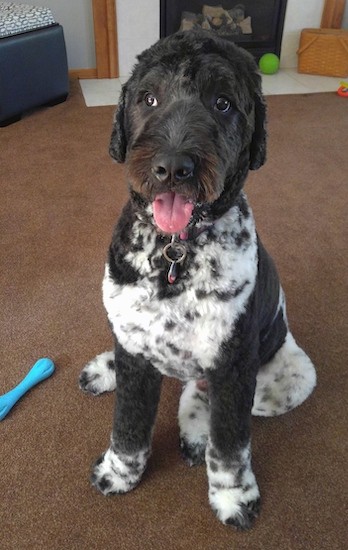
189, 290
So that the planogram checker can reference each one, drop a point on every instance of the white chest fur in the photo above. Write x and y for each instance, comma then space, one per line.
181, 335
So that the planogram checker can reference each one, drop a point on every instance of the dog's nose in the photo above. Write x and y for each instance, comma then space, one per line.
175, 168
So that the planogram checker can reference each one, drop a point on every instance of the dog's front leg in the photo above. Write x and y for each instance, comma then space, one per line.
233, 491
120, 468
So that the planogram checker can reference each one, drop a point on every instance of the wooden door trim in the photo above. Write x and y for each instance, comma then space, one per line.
105, 38
333, 14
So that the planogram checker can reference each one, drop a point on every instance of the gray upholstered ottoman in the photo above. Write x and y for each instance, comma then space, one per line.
33, 63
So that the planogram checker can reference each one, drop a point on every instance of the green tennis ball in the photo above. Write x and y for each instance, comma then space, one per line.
269, 63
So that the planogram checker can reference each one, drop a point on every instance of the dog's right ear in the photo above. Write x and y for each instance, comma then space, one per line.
258, 144
118, 140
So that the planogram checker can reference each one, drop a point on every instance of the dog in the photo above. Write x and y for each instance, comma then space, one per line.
190, 291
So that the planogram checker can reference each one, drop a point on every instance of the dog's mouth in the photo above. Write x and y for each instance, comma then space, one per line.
172, 212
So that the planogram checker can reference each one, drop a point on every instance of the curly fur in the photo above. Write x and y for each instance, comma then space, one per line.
221, 327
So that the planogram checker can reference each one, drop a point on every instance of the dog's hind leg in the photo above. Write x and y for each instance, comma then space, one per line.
285, 381
99, 375
194, 423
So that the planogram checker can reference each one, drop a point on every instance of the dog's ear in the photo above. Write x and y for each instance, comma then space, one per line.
258, 143
118, 140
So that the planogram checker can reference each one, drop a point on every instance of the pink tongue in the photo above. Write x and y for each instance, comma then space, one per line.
171, 212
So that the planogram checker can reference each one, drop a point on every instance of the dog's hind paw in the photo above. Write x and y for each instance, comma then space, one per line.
98, 376
194, 455
285, 381
117, 472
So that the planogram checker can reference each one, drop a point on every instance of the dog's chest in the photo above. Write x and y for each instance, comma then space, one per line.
181, 335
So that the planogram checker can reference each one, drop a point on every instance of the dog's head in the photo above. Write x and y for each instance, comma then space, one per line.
189, 125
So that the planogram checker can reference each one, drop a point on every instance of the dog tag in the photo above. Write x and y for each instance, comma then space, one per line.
172, 273
175, 253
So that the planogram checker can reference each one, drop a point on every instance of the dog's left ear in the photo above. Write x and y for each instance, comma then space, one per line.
258, 143
118, 140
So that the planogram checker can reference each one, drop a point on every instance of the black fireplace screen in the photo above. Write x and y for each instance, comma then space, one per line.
256, 25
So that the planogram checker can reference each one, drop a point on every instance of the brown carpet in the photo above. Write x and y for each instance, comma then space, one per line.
60, 196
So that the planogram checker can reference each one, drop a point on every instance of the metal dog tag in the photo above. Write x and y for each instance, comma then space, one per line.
175, 253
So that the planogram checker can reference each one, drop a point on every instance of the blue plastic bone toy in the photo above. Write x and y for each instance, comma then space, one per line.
42, 369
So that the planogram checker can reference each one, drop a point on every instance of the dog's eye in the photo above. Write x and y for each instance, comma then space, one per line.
222, 104
150, 100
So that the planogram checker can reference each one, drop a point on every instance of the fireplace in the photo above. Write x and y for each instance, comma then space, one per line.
256, 25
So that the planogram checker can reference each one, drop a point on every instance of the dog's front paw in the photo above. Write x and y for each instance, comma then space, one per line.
233, 492
235, 506
98, 375
117, 472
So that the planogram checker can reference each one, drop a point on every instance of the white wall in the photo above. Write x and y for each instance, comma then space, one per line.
345, 18
300, 14
76, 18
138, 28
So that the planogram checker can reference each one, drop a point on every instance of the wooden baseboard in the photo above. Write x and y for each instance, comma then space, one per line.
83, 73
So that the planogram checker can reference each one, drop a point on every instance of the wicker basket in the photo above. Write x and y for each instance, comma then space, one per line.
324, 52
